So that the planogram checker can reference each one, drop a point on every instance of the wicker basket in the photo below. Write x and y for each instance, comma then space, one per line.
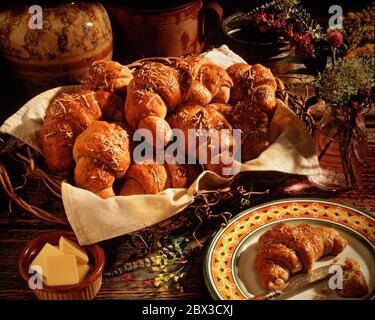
36, 169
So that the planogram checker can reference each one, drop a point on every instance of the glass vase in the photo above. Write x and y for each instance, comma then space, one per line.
341, 147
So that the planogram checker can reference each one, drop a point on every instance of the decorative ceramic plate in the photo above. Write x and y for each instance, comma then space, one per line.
229, 263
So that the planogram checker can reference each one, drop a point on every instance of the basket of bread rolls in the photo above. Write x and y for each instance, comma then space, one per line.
114, 179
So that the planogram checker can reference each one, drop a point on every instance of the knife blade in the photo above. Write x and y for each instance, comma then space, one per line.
296, 283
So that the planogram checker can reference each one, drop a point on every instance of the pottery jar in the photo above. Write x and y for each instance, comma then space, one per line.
142, 31
71, 37
246, 40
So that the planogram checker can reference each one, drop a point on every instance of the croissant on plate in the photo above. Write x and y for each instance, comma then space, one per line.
354, 282
107, 75
151, 178
288, 249
254, 100
157, 89
101, 153
66, 117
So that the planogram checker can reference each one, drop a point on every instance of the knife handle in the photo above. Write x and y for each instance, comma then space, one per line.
268, 295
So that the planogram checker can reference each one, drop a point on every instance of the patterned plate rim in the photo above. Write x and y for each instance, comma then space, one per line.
207, 270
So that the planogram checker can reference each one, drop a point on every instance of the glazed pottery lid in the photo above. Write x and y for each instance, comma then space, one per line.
239, 26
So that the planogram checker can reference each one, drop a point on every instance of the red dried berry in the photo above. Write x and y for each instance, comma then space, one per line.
127, 277
148, 282
335, 39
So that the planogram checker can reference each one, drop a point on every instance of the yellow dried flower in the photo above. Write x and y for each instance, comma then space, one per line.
157, 262
359, 27
366, 52
163, 288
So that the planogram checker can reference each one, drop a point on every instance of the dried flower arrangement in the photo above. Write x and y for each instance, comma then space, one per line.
314, 45
291, 21
168, 262
347, 89
343, 62
347, 84
359, 31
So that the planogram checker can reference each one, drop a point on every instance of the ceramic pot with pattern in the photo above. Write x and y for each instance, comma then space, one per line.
71, 37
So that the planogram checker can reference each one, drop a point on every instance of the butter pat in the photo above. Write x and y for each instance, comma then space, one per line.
40, 259
69, 247
62, 270
82, 269
61, 265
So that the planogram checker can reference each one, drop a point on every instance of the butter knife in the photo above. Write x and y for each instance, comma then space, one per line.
297, 283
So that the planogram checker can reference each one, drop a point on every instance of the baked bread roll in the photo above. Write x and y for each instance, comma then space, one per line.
263, 76
246, 78
208, 81
111, 105
288, 249
154, 90
203, 120
101, 153
152, 178
225, 109
157, 89
66, 117
57, 139
242, 78
107, 75
254, 100
255, 129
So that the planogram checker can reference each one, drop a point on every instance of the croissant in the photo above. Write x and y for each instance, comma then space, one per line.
111, 106
354, 282
151, 178
208, 81
101, 153
66, 117
254, 99
287, 249
157, 89
107, 75
203, 119
154, 90
246, 78
225, 109
255, 129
